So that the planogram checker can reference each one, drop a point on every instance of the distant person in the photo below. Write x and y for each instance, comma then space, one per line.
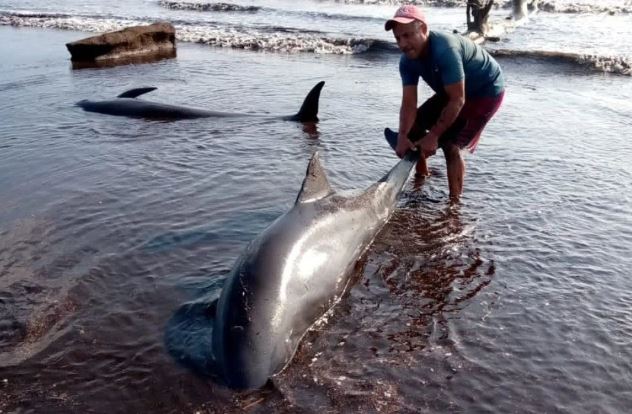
468, 86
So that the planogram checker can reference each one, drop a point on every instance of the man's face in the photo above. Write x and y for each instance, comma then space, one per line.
411, 38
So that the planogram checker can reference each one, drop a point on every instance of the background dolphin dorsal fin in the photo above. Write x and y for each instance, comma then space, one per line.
315, 184
309, 109
136, 92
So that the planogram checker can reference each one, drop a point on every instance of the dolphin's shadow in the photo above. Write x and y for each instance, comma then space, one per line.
189, 333
238, 228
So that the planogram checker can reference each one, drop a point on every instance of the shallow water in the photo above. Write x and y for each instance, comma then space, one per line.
516, 300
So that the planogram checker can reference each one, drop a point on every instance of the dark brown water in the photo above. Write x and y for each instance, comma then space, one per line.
517, 300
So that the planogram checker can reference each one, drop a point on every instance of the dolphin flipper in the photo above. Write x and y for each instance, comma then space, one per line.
136, 92
391, 138
309, 109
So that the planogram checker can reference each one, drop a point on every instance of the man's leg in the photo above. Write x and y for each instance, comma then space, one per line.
421, 169
427, 115
466, 131
456, 170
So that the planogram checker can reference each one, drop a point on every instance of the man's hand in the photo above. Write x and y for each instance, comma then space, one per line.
428, 144
403, 145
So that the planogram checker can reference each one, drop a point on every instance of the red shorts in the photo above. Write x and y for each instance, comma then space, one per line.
466, 130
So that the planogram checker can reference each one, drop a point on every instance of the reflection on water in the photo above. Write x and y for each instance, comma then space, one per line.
439, 262
126, 60
311, 129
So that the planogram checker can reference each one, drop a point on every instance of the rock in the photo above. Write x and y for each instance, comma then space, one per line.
136, 44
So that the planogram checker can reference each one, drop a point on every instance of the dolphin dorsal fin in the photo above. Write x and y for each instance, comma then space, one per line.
136, 92
309, 109
315, 184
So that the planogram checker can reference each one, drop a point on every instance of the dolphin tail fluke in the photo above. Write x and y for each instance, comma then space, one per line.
315, 185
391, 137
136, 92
309, 109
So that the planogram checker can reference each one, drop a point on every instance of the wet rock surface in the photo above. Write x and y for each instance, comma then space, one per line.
154, 41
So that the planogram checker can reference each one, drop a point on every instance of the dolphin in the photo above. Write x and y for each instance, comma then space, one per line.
287, 278
127, 104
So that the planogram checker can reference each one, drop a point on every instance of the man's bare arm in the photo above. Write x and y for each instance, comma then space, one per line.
407, 114
456, 100
456, 96
408, 110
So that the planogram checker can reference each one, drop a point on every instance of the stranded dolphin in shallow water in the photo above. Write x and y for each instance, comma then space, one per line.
284, 281
128, 104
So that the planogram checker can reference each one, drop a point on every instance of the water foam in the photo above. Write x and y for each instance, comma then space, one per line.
65, 22
277, 42
609, 64
552, 6
284, 39
556, 7
223, 7
240, 37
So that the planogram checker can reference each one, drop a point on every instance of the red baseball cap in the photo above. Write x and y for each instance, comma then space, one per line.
405, 14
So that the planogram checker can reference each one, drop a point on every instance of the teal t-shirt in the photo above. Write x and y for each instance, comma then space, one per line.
452, 58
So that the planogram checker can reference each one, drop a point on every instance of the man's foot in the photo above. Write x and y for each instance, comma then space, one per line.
418, 181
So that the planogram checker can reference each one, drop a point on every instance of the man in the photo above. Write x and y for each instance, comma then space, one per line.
468, 86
